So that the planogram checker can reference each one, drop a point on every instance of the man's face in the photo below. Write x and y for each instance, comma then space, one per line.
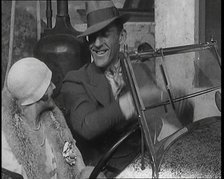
104, 46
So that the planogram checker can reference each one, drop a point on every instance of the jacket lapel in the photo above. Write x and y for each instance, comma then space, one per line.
99, 86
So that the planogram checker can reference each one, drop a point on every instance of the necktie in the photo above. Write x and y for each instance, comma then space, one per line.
116, 80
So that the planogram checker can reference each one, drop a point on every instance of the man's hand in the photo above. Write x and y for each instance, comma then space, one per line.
127, 105
86, 172
149, 95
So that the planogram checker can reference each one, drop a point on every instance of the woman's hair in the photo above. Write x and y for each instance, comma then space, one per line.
45, 97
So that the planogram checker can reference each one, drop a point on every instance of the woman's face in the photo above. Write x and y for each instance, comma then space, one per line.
47, 103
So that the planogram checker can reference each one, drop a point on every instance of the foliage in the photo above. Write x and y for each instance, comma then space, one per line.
24, 35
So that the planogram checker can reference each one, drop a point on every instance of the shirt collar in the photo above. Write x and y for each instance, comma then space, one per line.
114, 69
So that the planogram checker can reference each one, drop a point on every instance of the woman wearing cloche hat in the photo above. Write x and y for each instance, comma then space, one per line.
36, 141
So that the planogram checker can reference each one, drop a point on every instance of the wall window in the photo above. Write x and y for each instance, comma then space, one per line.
209, 28
140, 10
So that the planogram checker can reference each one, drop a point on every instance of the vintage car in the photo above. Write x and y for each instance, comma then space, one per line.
194, 150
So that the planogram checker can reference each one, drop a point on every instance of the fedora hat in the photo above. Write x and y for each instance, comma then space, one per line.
100, 14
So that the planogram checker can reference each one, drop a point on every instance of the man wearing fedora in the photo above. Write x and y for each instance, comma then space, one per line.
98, 103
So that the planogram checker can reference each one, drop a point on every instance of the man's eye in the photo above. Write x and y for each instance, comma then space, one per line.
92, 39
106, 33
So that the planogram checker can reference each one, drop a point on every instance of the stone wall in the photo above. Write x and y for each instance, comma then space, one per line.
176, 23
25, 35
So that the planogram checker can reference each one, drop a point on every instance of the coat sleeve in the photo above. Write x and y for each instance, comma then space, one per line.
87, 117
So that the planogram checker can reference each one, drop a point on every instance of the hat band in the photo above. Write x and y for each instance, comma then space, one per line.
101, 15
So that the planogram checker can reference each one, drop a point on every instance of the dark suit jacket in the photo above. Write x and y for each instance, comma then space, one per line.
94, 116
88, 97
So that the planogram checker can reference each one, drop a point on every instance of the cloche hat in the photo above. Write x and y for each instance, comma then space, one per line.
99, 14
28, 80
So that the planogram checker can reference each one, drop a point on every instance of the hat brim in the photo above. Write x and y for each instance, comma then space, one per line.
97, 27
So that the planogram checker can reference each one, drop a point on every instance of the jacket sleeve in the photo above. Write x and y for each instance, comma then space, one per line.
87, 117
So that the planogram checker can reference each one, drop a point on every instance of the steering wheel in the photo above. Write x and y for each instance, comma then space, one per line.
104, 160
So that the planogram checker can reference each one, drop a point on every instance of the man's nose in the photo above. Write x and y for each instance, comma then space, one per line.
98, 41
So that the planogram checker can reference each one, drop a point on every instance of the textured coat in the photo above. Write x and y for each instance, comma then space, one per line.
26, 143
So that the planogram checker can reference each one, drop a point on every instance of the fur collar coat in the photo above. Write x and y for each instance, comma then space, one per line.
27, 144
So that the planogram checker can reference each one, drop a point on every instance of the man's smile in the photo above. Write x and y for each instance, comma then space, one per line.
100, 52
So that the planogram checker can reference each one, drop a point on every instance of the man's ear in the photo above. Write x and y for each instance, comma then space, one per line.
123, 37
